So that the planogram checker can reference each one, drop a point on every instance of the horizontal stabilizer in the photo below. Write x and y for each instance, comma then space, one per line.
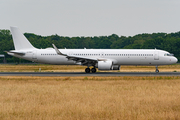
15, 52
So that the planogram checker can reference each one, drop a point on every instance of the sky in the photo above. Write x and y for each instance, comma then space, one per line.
91, 17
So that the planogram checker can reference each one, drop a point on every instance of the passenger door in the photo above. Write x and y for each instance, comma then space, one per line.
156, 55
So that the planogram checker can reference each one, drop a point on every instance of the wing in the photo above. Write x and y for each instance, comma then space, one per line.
83, 60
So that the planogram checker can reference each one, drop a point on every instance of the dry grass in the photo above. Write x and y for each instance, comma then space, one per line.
131, 98
166, 68
44, 68
77, 68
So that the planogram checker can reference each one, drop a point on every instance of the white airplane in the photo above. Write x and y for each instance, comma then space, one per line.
103, 59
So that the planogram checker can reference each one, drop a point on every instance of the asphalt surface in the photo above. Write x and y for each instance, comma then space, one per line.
71, 74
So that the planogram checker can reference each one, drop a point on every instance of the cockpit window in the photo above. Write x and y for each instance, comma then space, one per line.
167, 54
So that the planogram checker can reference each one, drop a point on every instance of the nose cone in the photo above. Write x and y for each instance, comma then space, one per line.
174, 60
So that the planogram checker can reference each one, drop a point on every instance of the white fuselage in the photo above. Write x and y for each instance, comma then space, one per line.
117, 56
103, 59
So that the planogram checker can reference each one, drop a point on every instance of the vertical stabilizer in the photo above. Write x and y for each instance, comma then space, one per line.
20, 41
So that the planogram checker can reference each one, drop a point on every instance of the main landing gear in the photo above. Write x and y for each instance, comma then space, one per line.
157, 71
88, 70
93, 70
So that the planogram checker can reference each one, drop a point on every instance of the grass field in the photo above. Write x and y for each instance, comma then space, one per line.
87, 98
76, 68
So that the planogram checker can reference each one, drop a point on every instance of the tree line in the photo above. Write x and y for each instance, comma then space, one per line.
169, 42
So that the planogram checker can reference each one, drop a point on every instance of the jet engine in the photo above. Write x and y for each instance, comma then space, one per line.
105, 65
116, 67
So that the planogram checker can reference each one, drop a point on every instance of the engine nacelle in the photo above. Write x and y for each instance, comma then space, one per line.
105, 65
116, 67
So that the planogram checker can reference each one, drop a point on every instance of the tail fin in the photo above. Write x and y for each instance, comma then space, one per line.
20, 41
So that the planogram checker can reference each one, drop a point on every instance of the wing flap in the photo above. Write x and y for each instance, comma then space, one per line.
73, 57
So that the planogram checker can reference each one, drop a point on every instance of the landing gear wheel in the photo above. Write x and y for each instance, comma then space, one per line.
157, 71
87, 70
93, 70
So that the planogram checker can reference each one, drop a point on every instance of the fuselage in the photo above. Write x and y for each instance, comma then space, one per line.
103, 59
117, 56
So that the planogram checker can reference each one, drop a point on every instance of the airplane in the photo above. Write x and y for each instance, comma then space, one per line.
103, 59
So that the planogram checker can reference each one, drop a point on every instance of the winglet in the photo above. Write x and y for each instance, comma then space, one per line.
57, 51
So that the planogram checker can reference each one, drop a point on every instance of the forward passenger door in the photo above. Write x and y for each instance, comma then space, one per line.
156, 55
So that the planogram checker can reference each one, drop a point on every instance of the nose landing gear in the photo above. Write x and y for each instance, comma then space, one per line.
157, 71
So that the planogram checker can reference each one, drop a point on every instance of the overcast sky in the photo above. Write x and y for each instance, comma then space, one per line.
91, 17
